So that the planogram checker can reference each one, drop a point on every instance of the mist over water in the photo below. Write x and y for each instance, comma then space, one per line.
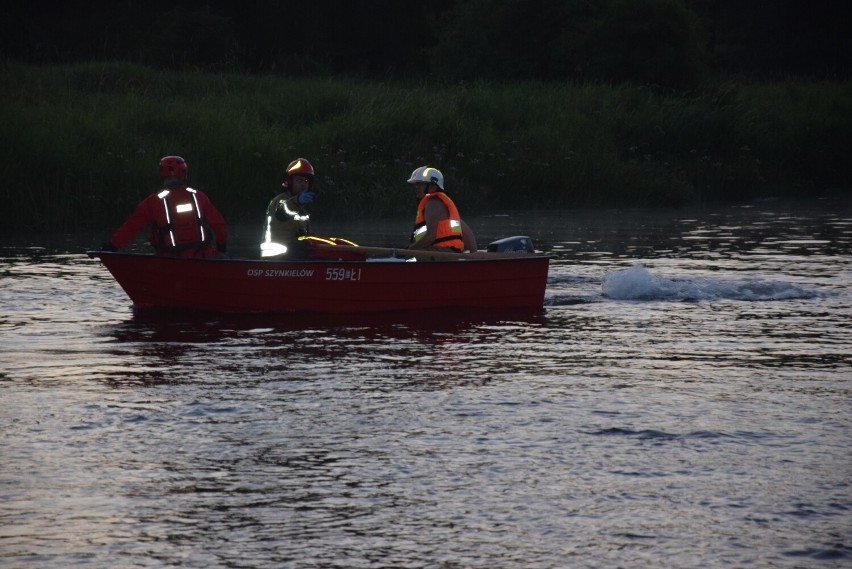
682, 401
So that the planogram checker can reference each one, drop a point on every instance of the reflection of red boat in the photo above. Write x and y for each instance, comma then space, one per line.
480, 281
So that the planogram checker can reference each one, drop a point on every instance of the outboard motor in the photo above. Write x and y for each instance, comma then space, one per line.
516, 244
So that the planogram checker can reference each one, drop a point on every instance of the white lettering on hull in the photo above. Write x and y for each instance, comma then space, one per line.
281, 273
341, 274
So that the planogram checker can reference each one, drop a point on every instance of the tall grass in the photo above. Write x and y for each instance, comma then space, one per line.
80, 143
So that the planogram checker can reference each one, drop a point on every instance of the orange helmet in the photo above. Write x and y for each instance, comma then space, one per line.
173, 167
300, 167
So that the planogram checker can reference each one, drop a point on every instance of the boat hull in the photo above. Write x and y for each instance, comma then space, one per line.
332, 287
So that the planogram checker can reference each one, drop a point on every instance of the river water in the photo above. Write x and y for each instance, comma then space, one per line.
683, 401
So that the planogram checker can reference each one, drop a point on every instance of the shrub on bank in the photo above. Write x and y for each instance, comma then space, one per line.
82, 142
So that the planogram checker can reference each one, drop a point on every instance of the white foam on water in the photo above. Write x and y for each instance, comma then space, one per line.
638, 283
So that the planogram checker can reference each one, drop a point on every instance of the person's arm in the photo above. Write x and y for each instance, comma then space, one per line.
435, 212
468, 237
136, 222
287, 208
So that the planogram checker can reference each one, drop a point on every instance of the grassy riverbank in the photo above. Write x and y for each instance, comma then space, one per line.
81, 142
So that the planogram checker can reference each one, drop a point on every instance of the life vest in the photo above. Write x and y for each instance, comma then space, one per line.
182, 229
448, 234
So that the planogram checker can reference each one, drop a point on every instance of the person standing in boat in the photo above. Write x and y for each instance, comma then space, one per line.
183, 222
438, 225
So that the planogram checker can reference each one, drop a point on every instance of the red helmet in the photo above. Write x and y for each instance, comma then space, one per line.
173, 167
301, 167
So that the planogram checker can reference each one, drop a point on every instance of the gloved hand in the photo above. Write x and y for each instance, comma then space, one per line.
108, 246
306, 197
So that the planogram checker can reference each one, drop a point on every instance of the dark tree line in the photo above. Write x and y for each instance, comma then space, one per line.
671, 43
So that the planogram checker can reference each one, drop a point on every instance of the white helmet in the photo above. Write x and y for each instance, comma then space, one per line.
427, 174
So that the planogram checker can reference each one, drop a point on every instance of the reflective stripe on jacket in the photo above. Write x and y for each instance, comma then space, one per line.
448, 234
156, 214
181, 226
286, 222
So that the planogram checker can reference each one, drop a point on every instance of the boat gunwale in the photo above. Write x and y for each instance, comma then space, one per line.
504, 257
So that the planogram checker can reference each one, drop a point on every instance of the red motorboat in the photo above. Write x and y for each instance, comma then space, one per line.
402, 280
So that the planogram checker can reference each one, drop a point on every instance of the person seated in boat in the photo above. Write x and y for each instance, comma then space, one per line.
287, 216
438, 225
183, 222
287, 228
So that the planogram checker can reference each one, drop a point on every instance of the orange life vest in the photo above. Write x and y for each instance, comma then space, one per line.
448, 234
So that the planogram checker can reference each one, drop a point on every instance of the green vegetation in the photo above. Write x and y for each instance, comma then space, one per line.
81, 142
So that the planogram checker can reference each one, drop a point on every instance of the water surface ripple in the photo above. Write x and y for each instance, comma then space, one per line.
683, 401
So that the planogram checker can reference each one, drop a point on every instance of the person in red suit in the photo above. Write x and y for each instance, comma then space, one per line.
182, 221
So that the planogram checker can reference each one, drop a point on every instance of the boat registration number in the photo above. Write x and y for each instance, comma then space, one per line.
342, 274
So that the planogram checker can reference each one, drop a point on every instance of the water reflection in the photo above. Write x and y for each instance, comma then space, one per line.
701, 234
152, 325
701, 423
155, 343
